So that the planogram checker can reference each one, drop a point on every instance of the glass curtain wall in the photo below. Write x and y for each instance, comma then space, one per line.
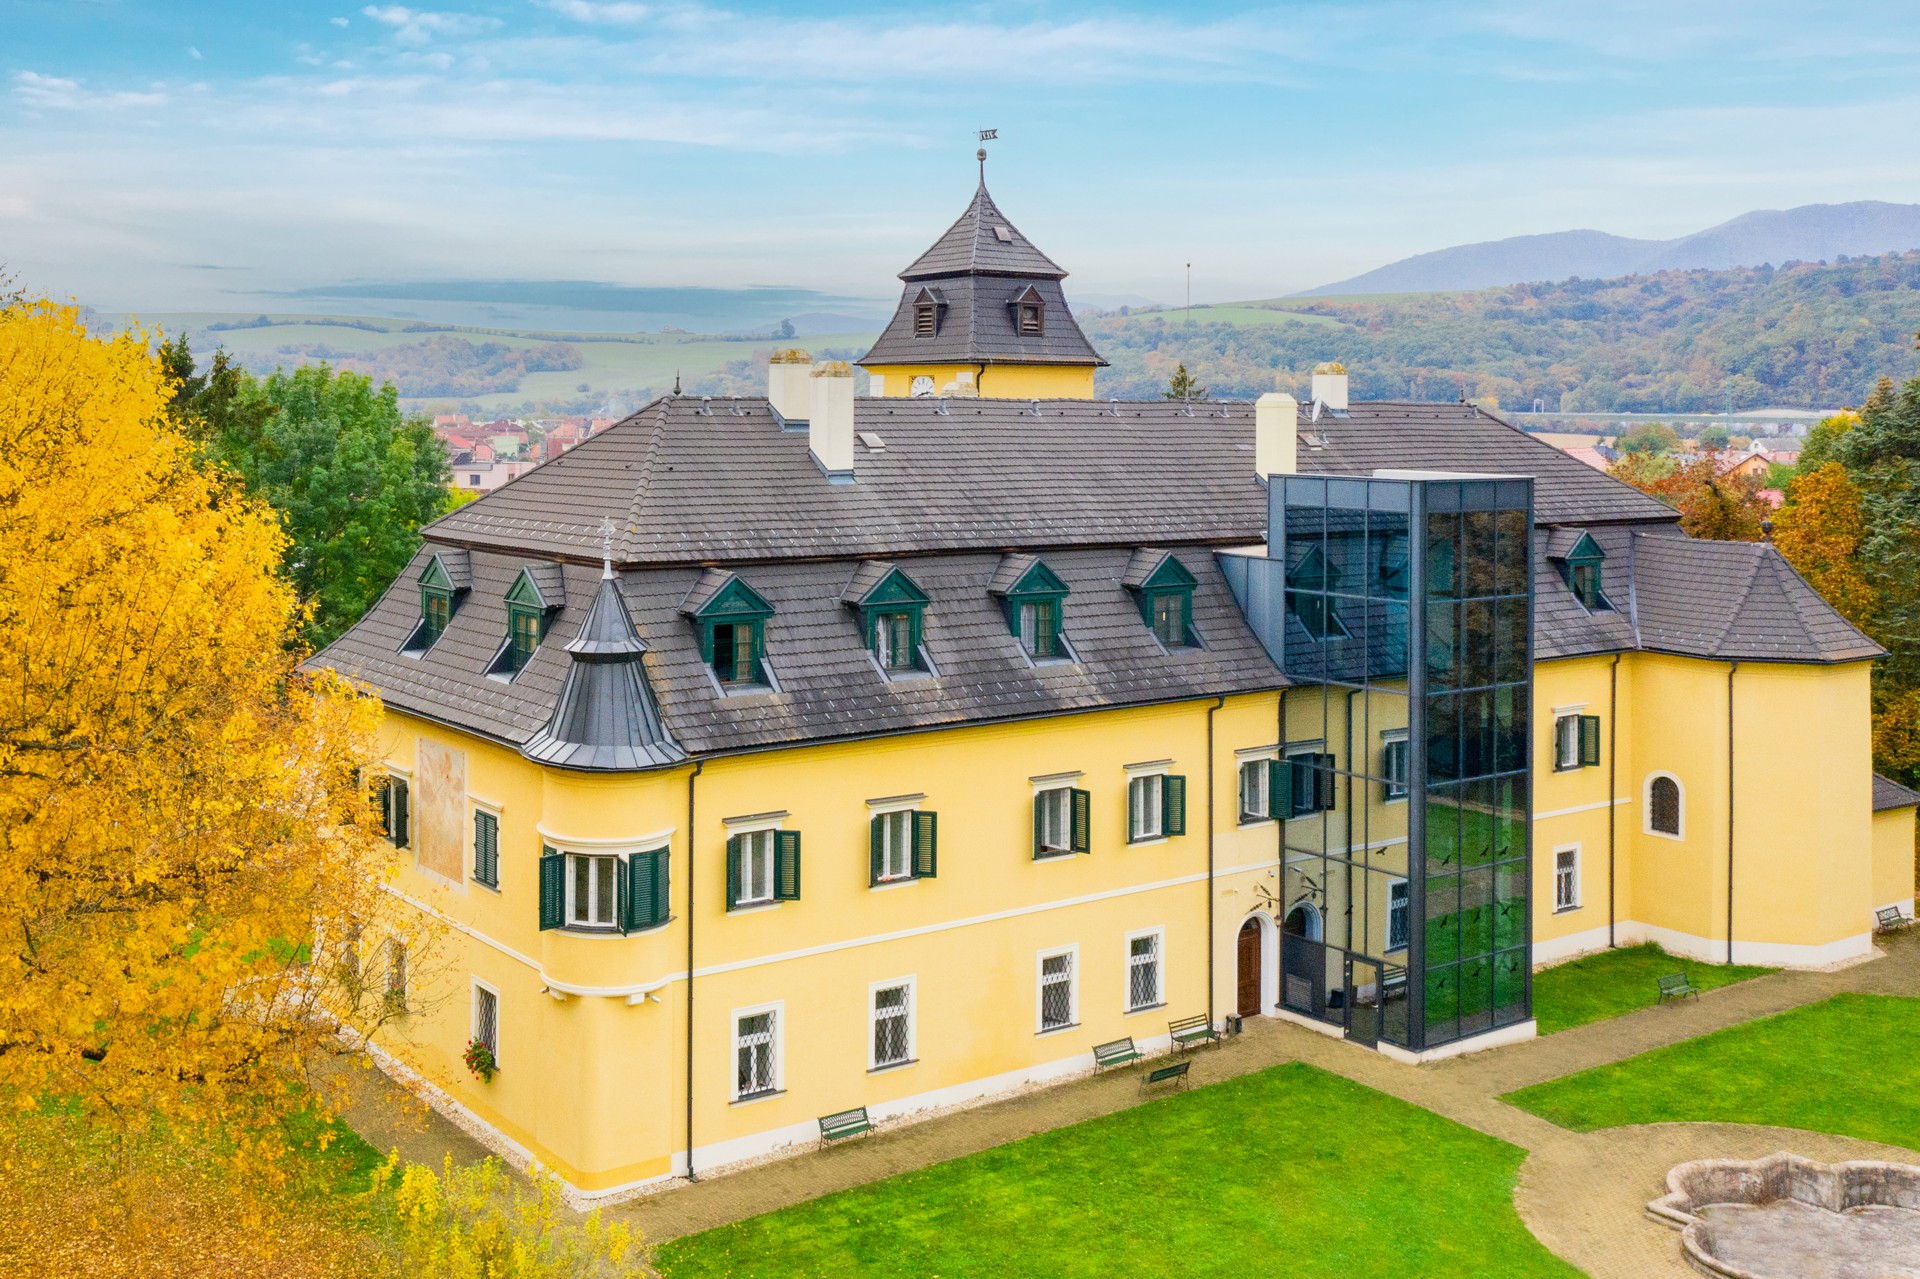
1404, 788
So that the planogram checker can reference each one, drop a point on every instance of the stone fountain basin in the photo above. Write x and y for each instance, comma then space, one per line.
1784, 1217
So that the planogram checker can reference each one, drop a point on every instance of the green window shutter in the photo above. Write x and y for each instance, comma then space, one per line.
622, 891
1173, 804
706, 642
1323, 798
400, 826
553, 889
1082, 821
786, 865
876, 833
1280, 789
1589, 740
486, 848
645, 896
925, 845
1039, 824
733, 872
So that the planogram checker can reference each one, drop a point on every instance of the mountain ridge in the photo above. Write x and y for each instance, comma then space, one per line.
1807, 233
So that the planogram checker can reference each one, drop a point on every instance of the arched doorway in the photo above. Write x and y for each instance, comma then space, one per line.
1247, 951
1303, 961
1303, 921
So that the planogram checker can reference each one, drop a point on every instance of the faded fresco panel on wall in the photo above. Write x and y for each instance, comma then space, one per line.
440, 809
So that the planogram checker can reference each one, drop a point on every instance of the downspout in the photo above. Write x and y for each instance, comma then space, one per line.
1613, 749
1730, 674
1366, 879
698, 765
1212, 942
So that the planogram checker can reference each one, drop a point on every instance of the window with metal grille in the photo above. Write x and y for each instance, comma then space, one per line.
1663, 806
592, 887
896, 845
1399, 917
1040, 628
1566, 878
1143, 972
486, 1020
1144, 795
1055, 819
1056, 991
1256, 790
396, 975
754, 1055
892, 1025
753, 865
486, 849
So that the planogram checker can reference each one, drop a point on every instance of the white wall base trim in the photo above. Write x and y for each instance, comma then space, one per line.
1572, 946
1311, 1023
1519, 1032
1713, 950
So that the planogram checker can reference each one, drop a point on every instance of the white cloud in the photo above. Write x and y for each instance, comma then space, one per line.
417, 26
56, 93
193, 53
338, 22
599, 11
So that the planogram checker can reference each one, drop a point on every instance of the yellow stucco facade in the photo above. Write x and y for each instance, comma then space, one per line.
1000, 381
593, 1029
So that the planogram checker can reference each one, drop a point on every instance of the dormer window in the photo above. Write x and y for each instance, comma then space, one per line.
442, 582
1034, 599
731, 618
531, 603
928, 306
1029, 312
1163, 588
1578, 558
891, 606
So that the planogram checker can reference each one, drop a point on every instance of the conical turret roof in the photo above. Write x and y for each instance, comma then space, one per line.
983, 242
606, 717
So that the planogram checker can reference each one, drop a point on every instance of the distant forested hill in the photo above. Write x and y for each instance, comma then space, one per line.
1808, 335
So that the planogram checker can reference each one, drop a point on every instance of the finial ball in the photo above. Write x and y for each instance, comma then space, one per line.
981, 154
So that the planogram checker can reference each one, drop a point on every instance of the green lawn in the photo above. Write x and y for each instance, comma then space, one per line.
1618, 981
1291, 1171
1843, 1066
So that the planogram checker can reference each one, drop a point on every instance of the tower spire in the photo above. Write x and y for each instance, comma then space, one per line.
606, 547
986, 135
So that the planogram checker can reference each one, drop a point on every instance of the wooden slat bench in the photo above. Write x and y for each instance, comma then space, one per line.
1676, 986
1888, 918
1160, 1074
848, 1123
1189, 1031
1117, 1053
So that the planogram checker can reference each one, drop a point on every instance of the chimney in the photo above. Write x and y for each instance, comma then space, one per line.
788, 390
830, 419
1276, 434
1330, 385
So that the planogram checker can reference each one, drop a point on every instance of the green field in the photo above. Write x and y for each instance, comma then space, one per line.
1229, 313
1288, 1172
1845, 1066
1619, 981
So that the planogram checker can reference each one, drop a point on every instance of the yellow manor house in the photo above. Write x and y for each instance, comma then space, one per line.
769, 758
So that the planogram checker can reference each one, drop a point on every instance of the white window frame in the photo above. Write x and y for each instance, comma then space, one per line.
1059, 800
1646, 806
1146, 798
912, 1015
756, 848
405, 775
1573, 897
473, 1030
896, 844
1040, 989
1159, 938
1566, 741
1402, 738
1266, 760
598, 862
1406, 911
776, 1054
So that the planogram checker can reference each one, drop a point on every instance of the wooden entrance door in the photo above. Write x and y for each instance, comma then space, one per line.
1249, 969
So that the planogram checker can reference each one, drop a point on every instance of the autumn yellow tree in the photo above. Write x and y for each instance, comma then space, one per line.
1819, 531
186, 849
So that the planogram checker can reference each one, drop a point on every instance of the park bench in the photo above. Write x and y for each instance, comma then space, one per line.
1160, 1074
1189, 1031
1676, 986
1888, 918
848, 1123
1117, 1053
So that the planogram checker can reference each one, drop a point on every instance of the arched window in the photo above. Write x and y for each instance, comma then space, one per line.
1664, 813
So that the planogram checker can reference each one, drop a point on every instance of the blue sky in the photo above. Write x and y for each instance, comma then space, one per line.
166, 156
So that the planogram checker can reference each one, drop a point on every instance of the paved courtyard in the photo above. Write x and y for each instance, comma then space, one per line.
1582, 1194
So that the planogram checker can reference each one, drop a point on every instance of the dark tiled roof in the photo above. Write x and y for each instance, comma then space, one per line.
1140, 567
1733, 600
1888, 793
867, 575
726, 485
983, 240
459, 573
977, 327
828, 685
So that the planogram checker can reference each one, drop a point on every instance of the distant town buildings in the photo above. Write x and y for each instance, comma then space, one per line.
486, 455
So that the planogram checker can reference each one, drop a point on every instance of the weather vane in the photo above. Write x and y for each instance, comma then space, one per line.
986, 135
606, 545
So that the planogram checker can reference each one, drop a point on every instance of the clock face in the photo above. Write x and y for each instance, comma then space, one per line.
921, 386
